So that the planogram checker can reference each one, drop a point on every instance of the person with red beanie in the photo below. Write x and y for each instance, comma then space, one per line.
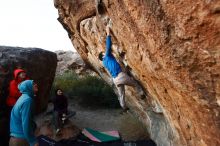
14, 93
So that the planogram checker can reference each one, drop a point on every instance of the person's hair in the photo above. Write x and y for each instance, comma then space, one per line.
101, 56
57, 90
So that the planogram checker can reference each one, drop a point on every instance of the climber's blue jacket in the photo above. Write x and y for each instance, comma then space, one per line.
109, 60
21, 123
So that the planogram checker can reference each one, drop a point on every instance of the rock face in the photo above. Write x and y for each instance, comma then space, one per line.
171, 47
68, 60
39, 64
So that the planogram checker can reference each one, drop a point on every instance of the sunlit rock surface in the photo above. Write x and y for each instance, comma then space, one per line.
171, 47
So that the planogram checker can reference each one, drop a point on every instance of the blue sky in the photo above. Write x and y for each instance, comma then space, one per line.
32, 23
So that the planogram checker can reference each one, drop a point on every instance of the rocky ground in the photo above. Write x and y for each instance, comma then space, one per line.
98, 119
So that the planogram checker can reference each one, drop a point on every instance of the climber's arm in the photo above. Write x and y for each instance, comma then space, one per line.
108, 42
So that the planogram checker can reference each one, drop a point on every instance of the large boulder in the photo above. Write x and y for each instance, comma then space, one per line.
171, 47
39, 64
71, 61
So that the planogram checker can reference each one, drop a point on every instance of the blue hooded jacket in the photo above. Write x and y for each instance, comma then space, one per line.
109, 60
21, 123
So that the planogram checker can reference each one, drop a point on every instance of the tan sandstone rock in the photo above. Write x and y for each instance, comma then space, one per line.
172, 47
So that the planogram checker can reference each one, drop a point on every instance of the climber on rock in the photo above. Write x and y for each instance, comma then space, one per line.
120, 78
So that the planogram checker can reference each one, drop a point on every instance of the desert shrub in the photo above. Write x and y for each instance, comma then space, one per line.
88, 91
65, 81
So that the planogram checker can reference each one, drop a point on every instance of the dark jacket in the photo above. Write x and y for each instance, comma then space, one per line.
60, 103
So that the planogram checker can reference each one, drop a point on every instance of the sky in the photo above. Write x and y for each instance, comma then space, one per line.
32, 23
